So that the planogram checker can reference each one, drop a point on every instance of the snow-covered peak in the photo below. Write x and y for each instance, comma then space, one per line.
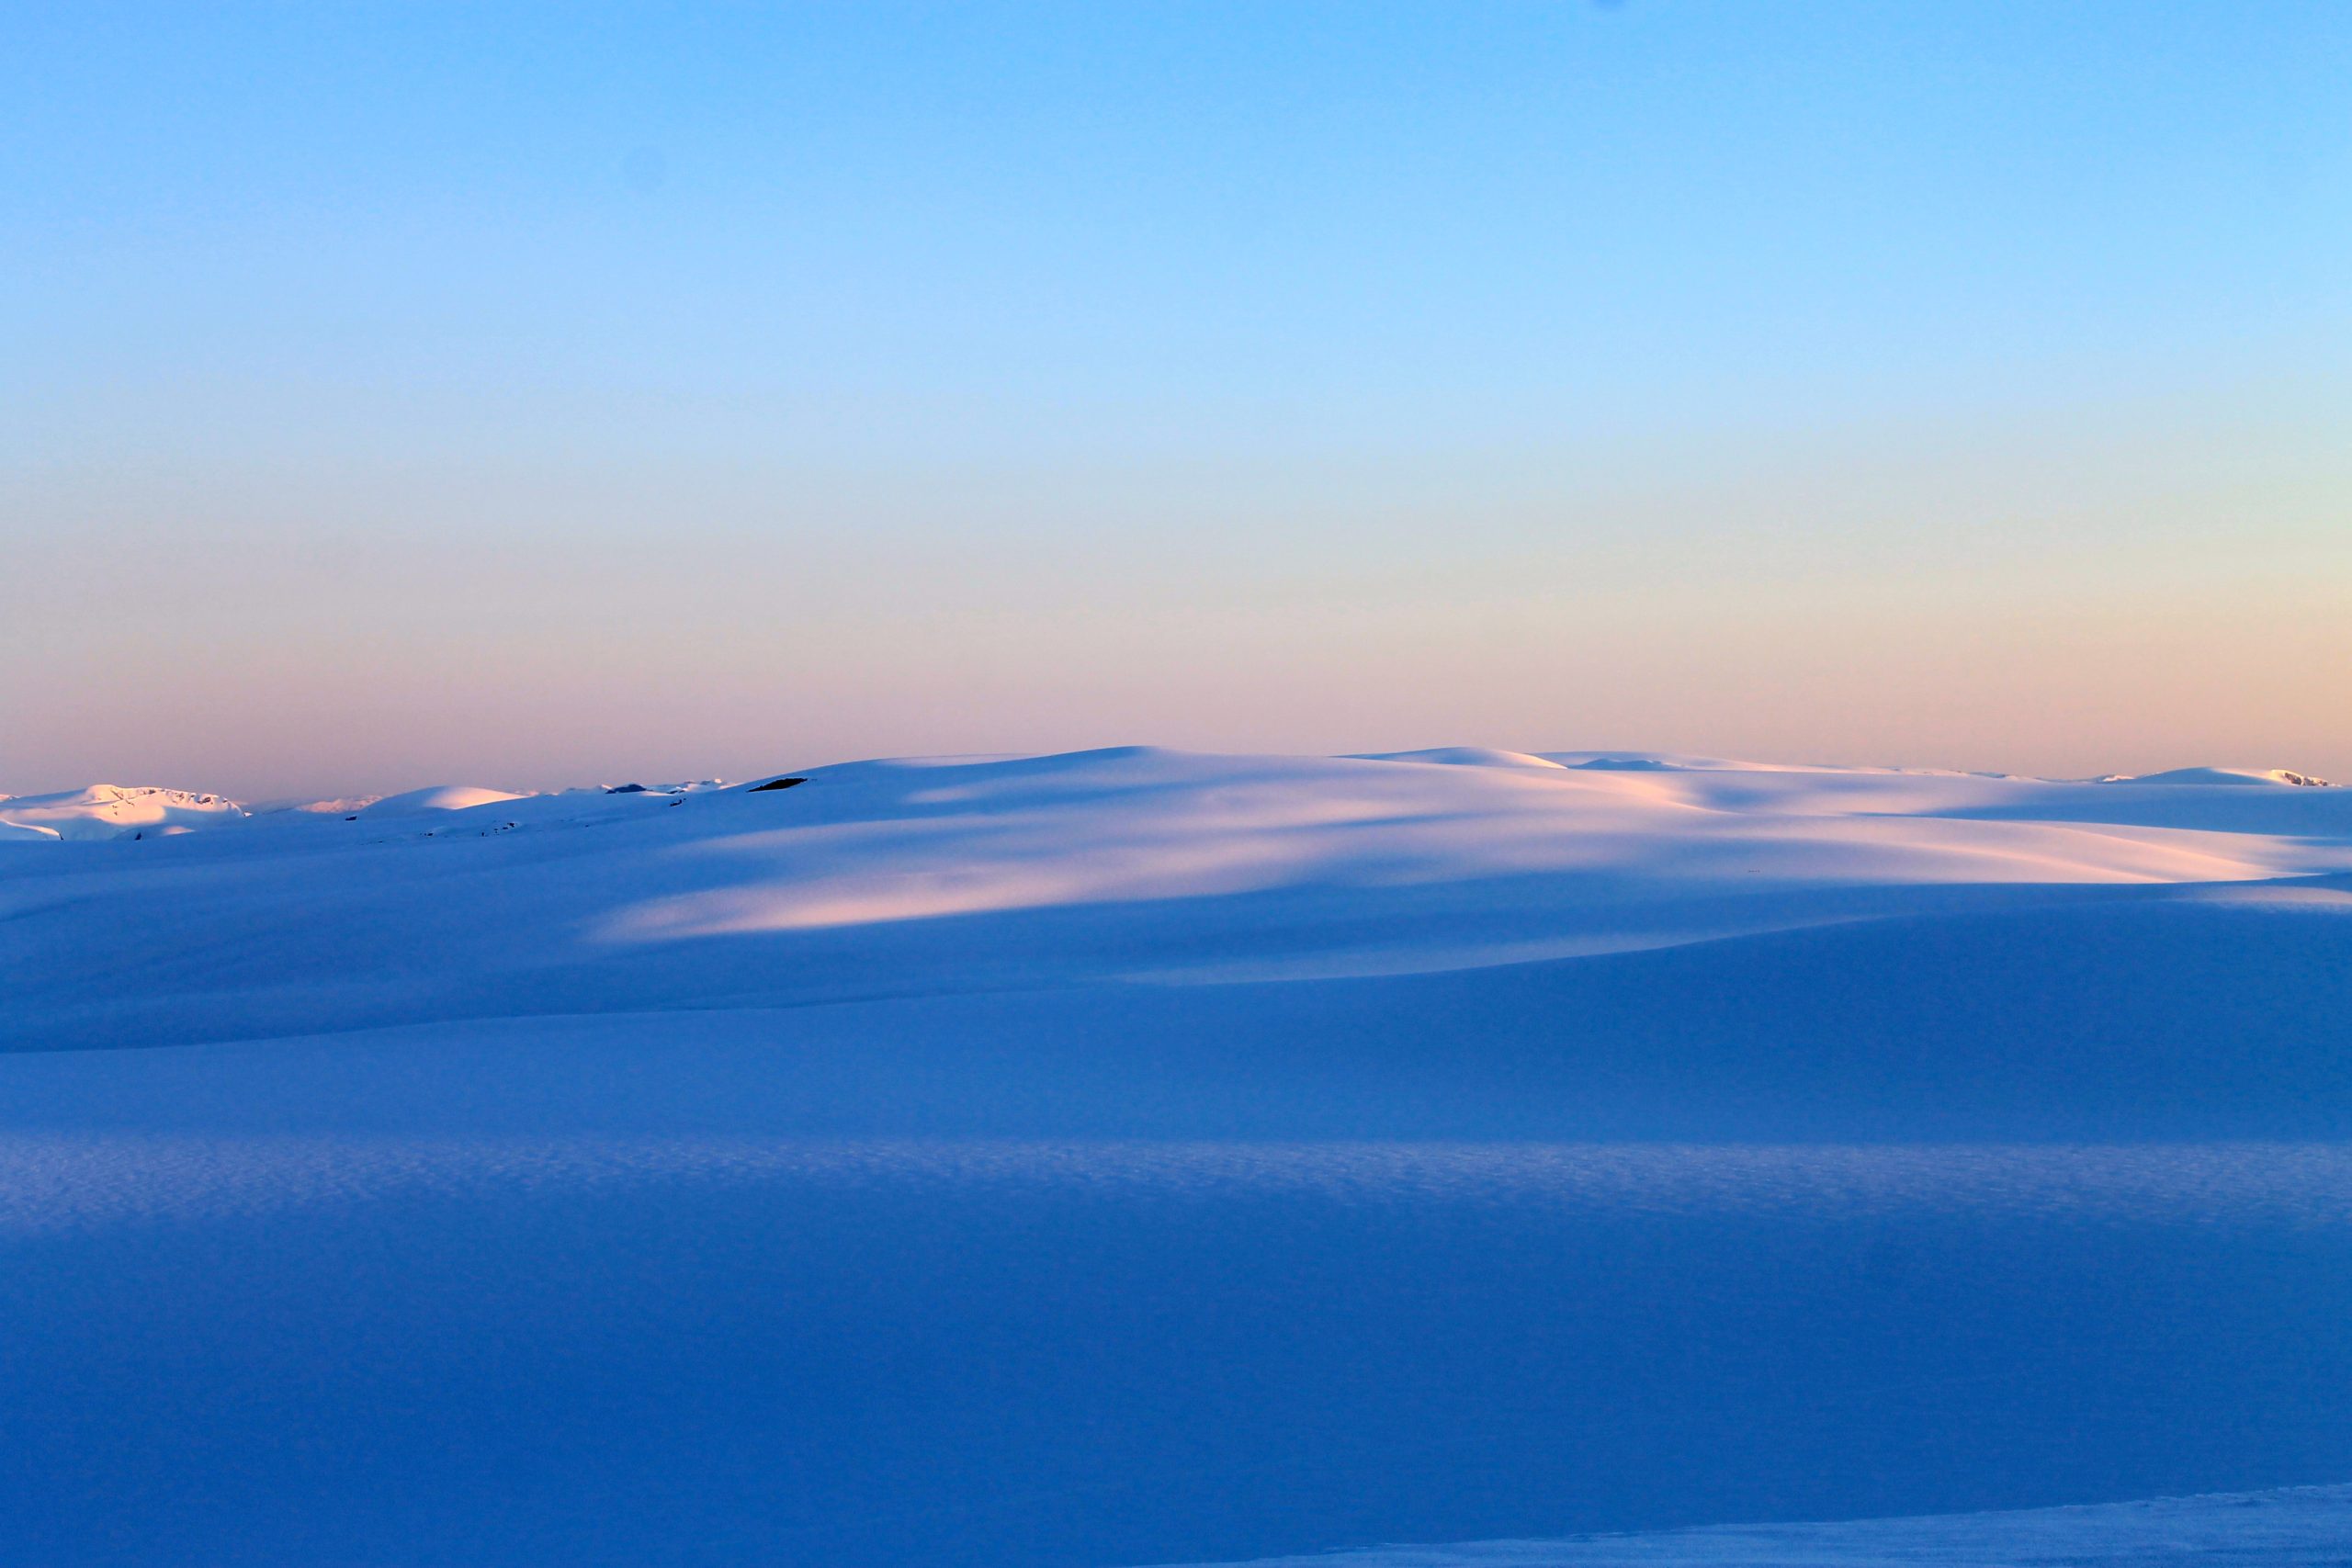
108, 811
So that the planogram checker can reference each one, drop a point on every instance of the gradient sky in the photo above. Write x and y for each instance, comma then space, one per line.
533, 396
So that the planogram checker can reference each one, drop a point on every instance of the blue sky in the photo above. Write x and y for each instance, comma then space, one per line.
401, 393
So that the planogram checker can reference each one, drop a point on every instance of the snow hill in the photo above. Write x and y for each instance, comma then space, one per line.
2231, 776
437, 797
105, 811
1144, 1157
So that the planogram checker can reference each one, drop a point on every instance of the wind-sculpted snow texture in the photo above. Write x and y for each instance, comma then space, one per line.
1137, 1157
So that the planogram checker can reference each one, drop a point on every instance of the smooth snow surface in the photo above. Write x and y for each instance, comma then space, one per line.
1140, 1156
2307, 1526
435, 798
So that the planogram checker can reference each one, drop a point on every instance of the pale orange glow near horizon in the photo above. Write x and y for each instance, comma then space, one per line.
2060, 602
526, 403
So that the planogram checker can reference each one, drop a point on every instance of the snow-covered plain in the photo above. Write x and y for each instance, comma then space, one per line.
1138, 1156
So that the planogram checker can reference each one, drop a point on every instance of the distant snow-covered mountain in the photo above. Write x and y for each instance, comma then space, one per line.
108, 811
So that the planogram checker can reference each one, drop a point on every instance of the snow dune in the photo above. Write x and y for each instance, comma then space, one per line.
1142, 1156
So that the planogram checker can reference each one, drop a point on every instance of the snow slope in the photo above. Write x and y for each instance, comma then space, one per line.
2302, 1525
893, 878
2230, 776
1139, 1156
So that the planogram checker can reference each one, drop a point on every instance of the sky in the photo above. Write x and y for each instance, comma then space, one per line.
533, 396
